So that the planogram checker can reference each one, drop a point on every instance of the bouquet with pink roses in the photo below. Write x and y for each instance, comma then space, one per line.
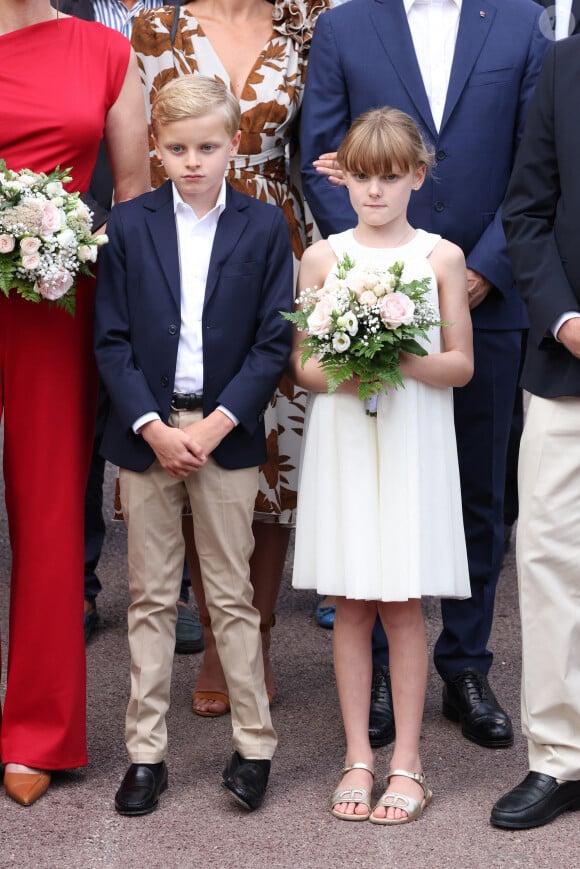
45, 236
359, 322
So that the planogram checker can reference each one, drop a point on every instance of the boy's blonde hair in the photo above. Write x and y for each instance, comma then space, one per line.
191, 96
381, 138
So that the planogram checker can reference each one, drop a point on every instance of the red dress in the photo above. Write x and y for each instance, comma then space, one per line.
58, 80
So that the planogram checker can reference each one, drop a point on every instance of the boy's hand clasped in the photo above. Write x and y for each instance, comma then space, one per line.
176, 450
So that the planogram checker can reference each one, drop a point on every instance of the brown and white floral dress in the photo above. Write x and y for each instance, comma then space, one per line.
270, 102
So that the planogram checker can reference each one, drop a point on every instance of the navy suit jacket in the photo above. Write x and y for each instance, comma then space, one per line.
246, 343
362, 57
542, 220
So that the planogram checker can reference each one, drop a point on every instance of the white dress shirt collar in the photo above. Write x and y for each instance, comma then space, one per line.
219, 206
409, 3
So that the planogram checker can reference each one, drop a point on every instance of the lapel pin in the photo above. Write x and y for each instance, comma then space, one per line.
481, 13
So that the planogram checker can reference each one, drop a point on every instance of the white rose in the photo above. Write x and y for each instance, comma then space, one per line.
28, 180
57, 201
29, 245
7, 243
101, 239
66, 238
87, 253
54, 188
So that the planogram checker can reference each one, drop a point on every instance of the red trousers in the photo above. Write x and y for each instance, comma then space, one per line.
48, 389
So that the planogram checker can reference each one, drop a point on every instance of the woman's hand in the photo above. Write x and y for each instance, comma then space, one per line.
327, 164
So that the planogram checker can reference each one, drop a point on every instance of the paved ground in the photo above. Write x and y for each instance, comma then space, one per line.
75, 825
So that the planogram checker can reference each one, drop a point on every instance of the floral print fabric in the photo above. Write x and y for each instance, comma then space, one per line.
270, 101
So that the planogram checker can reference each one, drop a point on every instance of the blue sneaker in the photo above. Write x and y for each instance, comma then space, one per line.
325, 615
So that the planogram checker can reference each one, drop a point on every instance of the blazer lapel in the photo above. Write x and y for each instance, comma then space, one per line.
160, 220
390, 21
230, 226
475, 23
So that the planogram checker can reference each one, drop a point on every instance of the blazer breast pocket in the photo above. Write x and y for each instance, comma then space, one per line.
242, 269
482, 77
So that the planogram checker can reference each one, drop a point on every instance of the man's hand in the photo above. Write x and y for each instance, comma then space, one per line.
477, 288
328, 165
176, 450
569, 335
210, 431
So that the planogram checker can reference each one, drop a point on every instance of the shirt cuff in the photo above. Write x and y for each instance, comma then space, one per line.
147, 417
228, 413
557, 324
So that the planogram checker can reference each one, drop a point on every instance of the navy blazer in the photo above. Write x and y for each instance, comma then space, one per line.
362, 57
542, 220
246, 343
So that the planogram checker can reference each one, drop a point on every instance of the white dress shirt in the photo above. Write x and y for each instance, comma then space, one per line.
563, 15
433, 25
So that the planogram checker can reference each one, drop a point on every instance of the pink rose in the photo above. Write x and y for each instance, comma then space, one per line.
52, 219
29, 245
56, 286
368, 298
396, 309
6, 243
31, 261
320, 320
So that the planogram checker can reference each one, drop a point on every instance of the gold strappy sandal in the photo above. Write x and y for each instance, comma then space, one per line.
352, 795
394, 800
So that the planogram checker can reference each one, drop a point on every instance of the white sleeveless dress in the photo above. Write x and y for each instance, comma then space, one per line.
379, 507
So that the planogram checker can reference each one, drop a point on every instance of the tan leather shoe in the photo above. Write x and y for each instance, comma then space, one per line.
26, 787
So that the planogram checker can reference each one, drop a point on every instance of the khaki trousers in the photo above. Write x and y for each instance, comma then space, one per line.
548, 560
222, 503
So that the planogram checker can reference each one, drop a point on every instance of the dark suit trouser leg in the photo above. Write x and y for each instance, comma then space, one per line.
483, 413
94, 522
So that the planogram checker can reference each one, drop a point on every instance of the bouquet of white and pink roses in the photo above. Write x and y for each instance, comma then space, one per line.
45, 236
359, 321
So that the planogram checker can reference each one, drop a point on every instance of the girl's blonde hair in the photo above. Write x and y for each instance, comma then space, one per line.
381, 138
191, 96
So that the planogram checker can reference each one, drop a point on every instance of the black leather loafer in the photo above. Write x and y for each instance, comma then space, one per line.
140, 789
537, 800
381, 717
246, 780
467, 698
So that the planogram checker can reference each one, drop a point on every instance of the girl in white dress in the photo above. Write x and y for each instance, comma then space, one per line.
379, 517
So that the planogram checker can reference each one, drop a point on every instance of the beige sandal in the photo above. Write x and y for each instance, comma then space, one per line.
394, 800
352, 795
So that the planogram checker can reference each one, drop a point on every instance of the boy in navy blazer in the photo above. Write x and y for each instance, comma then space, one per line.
190, 345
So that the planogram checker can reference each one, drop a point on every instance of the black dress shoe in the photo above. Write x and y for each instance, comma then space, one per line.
246, 780
469, 699
140, 789
536, 801
381, 718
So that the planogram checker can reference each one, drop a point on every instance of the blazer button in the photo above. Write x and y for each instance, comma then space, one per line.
441, 155
165, 381
439, 206
172, 329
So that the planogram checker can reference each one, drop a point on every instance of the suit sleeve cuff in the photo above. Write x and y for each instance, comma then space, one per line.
147, 417
228, 413
557, 324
